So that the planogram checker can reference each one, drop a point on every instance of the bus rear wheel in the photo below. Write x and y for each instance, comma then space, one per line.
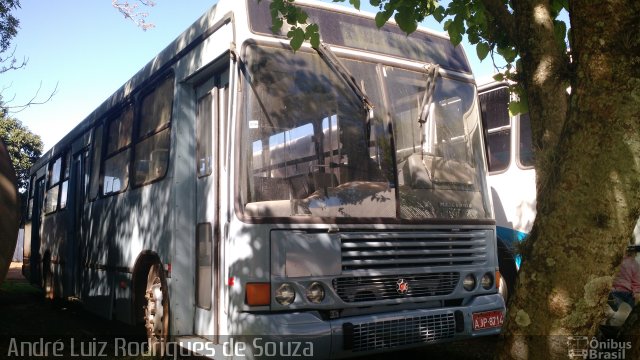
156, 311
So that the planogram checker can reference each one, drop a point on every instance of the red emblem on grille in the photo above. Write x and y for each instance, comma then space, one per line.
402, 286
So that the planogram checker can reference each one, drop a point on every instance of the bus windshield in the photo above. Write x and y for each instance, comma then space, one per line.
314, 149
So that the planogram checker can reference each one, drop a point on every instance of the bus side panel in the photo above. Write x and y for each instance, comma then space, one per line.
54, 231
119, 229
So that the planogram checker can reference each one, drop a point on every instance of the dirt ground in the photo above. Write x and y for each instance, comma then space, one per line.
26, 316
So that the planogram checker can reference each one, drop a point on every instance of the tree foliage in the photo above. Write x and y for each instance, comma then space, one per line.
24, 147
9, 26
488, 24
8, 23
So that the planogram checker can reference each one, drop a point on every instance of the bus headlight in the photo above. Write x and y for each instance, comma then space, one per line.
315, 293
469, 282
487, 281
285, 295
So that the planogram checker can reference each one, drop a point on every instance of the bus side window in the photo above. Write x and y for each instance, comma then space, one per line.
94, 186
65, 179
53, 186
32, 185
116, 163
154, 134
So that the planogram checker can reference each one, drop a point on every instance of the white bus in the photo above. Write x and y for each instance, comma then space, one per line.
512, 176
234, 187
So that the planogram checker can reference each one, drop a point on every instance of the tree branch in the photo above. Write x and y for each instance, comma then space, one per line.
131, 12
13, 63
33, 101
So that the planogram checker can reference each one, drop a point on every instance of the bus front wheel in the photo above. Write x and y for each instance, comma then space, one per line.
508, 272
156, 311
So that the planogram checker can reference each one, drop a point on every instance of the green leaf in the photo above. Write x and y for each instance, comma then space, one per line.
482, 49
382, 17
277, 25
311, 31
313, 28
455, 29
302, 17
439, 14
508, 53
473, 37
297, 38
355, 3
406, 21
559, 5
518, 107
498, 77
455, 38
315, 40
447, 24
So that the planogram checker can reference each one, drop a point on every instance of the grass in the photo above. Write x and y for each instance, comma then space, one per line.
26, 317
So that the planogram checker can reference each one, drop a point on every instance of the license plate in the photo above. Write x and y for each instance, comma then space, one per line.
487, 320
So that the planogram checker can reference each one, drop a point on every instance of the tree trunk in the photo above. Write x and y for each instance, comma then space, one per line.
588, 166
9, 211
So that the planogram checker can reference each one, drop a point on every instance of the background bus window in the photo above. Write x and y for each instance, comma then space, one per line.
526, 155
499, 150
152, 148
116, 163
495, 117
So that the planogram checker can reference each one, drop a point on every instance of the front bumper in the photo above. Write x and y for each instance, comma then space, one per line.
364, 334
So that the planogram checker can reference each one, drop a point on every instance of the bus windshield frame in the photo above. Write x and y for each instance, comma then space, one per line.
312, 150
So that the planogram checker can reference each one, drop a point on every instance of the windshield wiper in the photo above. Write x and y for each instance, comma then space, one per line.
432, 71
343, 73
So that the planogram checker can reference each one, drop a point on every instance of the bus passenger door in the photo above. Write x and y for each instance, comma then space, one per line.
75, 210
209, 115
35, 259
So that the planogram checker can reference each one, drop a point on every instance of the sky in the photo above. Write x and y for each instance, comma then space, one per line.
86, 50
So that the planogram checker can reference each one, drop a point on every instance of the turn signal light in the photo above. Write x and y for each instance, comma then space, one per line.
258, 294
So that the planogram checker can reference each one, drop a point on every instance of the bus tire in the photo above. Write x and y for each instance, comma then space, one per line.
508, 273
156, 311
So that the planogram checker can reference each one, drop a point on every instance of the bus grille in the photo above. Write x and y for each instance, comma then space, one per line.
373, 288
410, 250
401, 332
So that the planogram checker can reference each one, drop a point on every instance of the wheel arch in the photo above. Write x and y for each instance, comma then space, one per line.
507, 264
143, 264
